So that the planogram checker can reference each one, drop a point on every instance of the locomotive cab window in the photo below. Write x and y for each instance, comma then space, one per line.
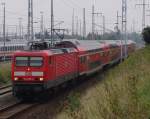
21, 61
36, 61
29, 61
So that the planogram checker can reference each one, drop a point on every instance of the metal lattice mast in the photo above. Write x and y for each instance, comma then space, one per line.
73, 23
29, 33
32, 32
77, 26
143, 13
4, 28
84, 24
20, 28
93, 23
30, 21
117, 22
143, 18
104, 25
52, 23
80, 23
42, 26
124, 27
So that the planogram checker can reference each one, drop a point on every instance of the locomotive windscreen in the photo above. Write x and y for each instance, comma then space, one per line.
29, 61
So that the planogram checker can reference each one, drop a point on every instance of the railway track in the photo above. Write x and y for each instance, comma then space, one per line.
14, 109
5, 90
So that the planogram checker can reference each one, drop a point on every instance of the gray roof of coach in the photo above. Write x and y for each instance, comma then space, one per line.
118, 42
86, 44
62, 50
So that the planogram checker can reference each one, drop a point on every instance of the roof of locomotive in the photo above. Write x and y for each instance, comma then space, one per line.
48, 52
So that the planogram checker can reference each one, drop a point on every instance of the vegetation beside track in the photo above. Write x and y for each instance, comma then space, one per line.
5, 73
124, 94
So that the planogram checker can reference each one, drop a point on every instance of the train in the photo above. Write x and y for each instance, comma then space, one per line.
42, 68
7, 51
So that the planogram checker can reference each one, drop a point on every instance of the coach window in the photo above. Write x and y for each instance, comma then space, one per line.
101, 54
107, 53
110, 52
83, 59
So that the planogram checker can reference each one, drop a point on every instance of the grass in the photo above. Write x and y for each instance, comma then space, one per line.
5, 73
124, 94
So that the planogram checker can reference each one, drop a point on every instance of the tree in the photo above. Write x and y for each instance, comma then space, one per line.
146, 35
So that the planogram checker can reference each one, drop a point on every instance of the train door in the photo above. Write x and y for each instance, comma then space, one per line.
105, 56
83, 62
51, 70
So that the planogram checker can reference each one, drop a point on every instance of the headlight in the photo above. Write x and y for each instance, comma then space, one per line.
41, 79
16, 79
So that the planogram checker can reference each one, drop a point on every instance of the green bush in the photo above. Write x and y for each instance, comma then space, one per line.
146, 35
73, 102
5, 73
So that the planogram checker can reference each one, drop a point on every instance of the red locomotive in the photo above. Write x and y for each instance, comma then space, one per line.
39, 70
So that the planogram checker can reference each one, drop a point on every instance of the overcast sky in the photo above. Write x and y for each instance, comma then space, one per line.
63, 12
